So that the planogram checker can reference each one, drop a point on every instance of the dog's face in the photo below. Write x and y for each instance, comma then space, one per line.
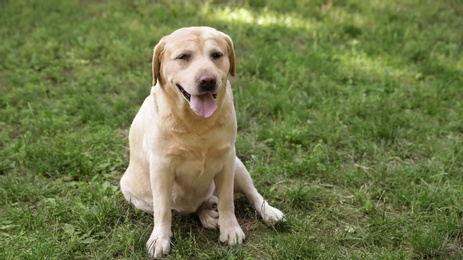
194, 64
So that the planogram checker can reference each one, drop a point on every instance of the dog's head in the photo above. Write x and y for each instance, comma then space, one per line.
195, 62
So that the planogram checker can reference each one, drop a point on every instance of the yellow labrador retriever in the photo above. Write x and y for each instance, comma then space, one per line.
182, 141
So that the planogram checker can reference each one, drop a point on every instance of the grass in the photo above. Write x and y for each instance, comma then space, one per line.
350, 119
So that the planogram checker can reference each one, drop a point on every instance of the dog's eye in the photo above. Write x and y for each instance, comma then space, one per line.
183, 56
216, 55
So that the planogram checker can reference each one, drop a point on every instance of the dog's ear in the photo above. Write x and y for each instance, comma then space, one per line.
231, 55
158, 51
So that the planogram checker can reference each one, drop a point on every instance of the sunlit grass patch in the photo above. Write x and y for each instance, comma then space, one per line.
260, 18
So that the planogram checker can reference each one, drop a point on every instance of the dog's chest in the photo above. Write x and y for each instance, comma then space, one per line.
202, 161
194, 174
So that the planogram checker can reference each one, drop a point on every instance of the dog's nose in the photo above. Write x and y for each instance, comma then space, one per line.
207, 83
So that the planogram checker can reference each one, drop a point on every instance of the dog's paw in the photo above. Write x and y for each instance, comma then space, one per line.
232, 235
209, 218
158, 244
208, 214
269, 214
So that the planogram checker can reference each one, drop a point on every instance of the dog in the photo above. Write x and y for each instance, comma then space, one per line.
182, 141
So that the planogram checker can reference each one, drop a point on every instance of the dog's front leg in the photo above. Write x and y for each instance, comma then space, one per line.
230, 230
161, 180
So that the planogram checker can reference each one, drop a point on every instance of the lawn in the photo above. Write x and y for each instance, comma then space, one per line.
350, 119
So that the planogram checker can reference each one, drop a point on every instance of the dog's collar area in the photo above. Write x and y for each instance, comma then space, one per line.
188, 95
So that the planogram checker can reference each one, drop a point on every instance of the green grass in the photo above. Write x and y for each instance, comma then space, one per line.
350, 119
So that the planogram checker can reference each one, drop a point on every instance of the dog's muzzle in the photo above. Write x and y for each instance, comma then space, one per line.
188, 95
203, 104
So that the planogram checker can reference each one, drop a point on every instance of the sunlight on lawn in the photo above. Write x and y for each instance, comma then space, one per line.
375, 67
264, 18
351, 61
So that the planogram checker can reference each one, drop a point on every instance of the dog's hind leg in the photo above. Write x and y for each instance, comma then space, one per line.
137, 192
208, 214
244, 184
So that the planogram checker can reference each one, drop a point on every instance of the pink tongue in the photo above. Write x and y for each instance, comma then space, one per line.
204, 105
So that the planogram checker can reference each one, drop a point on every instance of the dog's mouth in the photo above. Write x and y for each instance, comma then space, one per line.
203, 105
188, 95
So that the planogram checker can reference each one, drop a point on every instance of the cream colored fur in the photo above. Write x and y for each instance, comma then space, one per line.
183, 161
